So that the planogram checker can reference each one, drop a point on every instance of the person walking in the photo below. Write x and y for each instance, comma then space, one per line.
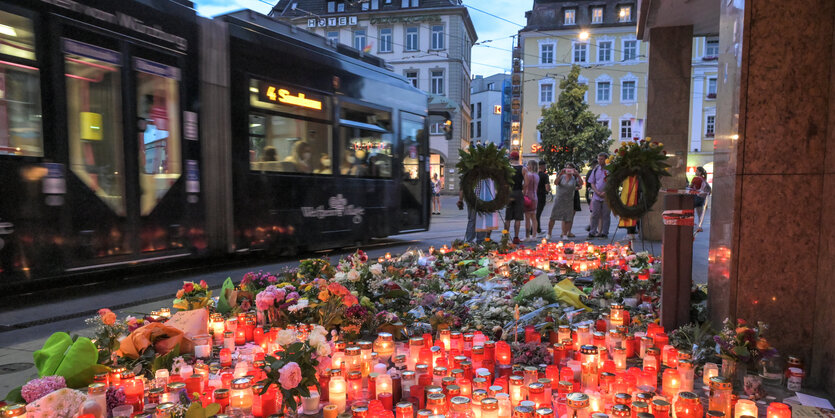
436, 195
529, 189
702, 189
542, 191
600, 213
568, 181
515, 211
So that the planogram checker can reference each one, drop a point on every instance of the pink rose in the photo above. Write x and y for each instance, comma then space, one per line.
290, 376
264, 301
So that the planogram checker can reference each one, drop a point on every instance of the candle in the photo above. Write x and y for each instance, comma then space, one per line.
721, 393
778, 410
670, 383
709, 370
383, 384
386, 399
503, 353
384, 346
505, 406
404, 410
337, 392
745, 407
686, 373
516, 393
331, 411
241, 397
619, 356
688, 406
589, 368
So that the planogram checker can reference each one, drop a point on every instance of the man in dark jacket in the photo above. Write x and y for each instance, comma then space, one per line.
542, 190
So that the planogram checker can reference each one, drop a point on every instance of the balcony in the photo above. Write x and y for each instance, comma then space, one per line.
709, 135
710, 58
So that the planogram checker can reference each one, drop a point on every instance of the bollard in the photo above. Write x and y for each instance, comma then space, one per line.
676, 260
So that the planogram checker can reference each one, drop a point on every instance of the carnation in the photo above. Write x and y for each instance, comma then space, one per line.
38, 388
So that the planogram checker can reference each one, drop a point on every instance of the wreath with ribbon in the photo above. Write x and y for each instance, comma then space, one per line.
485, 163
643, 159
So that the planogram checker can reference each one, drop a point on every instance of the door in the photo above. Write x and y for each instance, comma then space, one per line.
414, 193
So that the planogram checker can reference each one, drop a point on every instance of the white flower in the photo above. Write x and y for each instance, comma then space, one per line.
353, 275
301, 304
320, 330
315, 340
323, 350
339, 276
286, 337
376, 269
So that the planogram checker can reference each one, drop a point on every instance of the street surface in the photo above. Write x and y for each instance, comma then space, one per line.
25, 329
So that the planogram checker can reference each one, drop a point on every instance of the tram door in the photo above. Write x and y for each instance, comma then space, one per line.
124, 143
415, 174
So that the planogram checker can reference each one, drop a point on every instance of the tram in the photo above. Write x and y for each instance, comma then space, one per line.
136, 133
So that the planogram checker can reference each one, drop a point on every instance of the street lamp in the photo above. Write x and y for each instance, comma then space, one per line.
584, 35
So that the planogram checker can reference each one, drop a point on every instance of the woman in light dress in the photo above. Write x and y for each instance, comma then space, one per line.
567, 182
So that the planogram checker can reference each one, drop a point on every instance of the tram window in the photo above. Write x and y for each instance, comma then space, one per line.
158, 119
288, 145
21, 131
366, 142
94, 120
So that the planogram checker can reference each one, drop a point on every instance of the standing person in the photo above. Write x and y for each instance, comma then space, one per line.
542, 191
702, 189
567, 182
515, 210
436, 195
600, 213
529, 189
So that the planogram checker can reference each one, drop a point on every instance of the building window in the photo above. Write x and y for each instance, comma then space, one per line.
491, 86
375, 4
711, 48
331, 7
333, 37
340, 7
478, 111
436, 128
580, 52
364, 6
437, 82
597, 15
478, 129
630, 49
604, 92
711, 88
546, 54
412, 76
437, 37
604, 123
385, 39
412, 38
604, 51
625, 129
415, 3
472, 129
570, 17
627, 91
407, 3
710, 125
359, 39
472, 109
625, 14
546, 93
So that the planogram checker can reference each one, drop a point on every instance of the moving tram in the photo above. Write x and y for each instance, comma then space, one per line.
136, 133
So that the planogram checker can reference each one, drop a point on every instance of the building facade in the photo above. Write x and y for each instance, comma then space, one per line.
703, 87
490, 122
427, 41
599, 36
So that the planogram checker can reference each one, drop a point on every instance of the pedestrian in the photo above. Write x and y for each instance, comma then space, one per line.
515, 211
567, 183
436, 195
479, 226
702, 189
600, 213
542, 191
530, 186
589, 192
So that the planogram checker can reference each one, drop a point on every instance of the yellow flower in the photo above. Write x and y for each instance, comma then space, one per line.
505, 232
660, 144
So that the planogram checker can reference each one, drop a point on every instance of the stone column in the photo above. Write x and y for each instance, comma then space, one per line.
772, 237
668, 107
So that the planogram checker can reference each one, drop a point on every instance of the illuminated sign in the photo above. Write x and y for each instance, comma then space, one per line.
497, 109
281, 95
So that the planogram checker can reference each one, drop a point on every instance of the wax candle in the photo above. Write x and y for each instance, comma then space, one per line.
589, 368
404, 410
619, 356
778, 410
708, 371
745, 407
670, 383
516, 390
503, 353
331, 411
382, 384
688, 406
241, 397
505, 405
721, 392
386, 399
337, 392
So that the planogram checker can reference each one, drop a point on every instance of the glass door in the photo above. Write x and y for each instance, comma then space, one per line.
414, 182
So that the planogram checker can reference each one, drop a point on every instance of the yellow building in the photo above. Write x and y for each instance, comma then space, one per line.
703, 87
600, 38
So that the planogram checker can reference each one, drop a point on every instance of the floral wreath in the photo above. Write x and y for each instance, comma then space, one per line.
644, 160
485, 163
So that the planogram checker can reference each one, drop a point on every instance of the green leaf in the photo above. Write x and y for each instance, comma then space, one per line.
165, 362
14, 396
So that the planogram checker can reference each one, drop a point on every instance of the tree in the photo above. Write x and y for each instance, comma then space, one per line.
570, 132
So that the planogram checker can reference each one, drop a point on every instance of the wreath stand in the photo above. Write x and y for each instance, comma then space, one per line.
616, 181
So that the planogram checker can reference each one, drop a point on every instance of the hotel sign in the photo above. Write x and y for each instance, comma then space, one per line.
325, 22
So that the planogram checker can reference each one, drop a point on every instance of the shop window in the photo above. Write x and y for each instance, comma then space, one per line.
158, 111
21, 130
289, 145
94, 120
365, 141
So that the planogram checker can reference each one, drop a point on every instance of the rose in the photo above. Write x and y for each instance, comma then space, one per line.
264, 301
286, 337
323, 350
339, 276
188, 287
290, 375
180, 293
107, 316
353, 276
203, 284
376, 269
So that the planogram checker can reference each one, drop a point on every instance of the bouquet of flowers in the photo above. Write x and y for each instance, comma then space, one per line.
743, 343
355, 317
294, 369
253, 282
193, 296
531, 354
109, 330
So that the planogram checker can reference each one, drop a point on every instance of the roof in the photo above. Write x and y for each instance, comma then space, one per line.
550, 14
